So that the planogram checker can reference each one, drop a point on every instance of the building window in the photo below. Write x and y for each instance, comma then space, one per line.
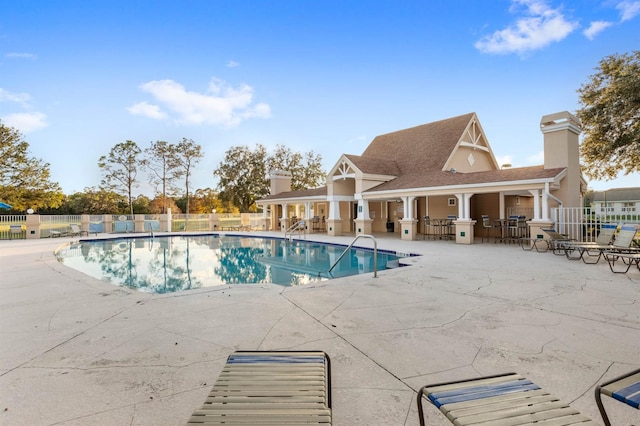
628, 207
452, 201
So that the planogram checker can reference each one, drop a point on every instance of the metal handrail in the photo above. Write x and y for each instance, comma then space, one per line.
375, 253
298, 226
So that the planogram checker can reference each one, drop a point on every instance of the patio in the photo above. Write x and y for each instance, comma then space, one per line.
76, 350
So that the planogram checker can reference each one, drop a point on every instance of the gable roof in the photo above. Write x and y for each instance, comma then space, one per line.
424, 148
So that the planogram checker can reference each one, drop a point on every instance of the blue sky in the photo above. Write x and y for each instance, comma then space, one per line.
78, 77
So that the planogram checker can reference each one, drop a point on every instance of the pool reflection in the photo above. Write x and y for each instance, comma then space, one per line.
177, 263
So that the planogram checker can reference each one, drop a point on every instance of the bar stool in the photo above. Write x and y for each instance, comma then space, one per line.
427, 228
451, 227
513, 228
487, 226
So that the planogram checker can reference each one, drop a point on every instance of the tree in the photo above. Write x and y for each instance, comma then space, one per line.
160, 205
96, 201
24, 180
141, 204
306, 171
161, 162
209, 200
610, 116
188, 155
242, 176
120, 168
243, 173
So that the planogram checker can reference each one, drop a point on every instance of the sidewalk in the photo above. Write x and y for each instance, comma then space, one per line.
79, 351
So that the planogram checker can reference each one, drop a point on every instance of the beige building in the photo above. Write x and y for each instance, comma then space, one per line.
444, 169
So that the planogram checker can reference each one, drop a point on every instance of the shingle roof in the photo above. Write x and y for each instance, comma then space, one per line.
444, 178
378, 166
315, 192
618, 194
422, 148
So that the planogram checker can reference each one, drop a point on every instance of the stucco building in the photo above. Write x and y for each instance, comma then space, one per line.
441, 169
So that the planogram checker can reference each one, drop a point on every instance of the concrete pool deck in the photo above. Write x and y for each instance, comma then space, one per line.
75, 350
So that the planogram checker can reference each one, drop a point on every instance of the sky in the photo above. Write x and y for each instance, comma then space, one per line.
78, 77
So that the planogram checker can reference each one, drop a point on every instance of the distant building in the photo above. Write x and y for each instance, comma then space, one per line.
616, 202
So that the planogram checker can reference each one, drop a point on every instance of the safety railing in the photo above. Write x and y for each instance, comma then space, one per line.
299, 226
375, 253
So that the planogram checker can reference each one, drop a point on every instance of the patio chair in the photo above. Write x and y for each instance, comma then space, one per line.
270, 387
625, 389
557, 241
75, 230
606, 235
15, 230
629, 258
622, 243
504, 399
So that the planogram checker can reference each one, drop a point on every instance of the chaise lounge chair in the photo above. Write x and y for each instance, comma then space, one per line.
625, 388
622, 243
75, 230
556, 241
505, 399
270, 387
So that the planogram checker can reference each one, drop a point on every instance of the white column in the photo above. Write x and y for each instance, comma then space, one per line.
407, 207
411, 202
467, 206
536, 203
464, 206
545, 202
363, 209
285, 213
501, 201
307, 211
334, 210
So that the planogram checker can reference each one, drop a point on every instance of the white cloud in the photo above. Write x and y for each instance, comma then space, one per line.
20, 55
232, 64
26, 122
147, 110
220, 105
20, 98
628, 9
541, 26
596, 28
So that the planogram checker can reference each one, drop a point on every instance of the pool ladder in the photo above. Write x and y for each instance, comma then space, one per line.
375, 254
298, 226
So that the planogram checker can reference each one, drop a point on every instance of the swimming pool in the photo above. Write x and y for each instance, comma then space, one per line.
182, 262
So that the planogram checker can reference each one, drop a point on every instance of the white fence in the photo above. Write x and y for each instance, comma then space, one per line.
45, 226
583, 224
10, 224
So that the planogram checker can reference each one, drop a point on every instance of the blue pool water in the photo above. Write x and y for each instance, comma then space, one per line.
176, 263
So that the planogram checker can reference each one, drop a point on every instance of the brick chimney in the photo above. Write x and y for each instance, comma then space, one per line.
562, 150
